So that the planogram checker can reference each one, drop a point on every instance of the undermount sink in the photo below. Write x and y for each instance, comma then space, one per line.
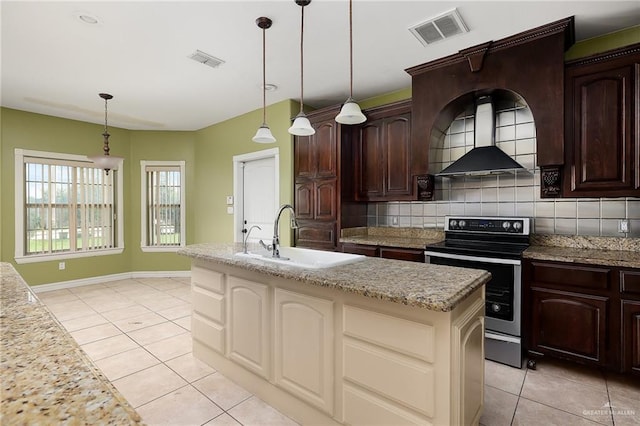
306, 258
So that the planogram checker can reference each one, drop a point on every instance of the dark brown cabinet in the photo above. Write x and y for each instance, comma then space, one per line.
383, 154
602, 143
317, 181
568, 311
584, 313
630, 289
398, 253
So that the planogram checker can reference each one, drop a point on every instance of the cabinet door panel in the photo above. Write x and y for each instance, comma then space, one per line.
631, 336
326, 147
315, 234
326, 199
630, 282
304, 200
304, 347
371, 161
248, 325
569, 325
397, 140
304, 157
602, 134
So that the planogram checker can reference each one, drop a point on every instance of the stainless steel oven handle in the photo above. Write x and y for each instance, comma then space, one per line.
502, 337
472, 258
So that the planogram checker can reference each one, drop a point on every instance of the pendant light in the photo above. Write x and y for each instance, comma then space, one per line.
105, 161
350, 112
301, 125
263, 135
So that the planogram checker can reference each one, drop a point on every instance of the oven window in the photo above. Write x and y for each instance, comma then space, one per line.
499, 291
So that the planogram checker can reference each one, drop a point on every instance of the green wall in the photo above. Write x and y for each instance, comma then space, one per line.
215, 147
603, 43
158, 146
44, 133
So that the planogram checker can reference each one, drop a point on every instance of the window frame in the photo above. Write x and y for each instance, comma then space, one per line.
143, 206
19, 218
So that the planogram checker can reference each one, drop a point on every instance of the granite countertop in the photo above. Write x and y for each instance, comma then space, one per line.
433, 287
605, 251
416, 238
46, 378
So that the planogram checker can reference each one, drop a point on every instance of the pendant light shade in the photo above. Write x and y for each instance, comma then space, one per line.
350, 112
301, 125
105, 161
263, 135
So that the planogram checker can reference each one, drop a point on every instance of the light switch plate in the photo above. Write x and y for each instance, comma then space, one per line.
229, 200
229, 209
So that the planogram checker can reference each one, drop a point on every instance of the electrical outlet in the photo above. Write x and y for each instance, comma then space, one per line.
394, 220
61, 266
623, 225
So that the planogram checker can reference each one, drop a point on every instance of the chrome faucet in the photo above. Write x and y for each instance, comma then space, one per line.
275, 243
246, 237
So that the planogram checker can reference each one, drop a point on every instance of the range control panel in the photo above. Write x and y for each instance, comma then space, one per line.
494, 225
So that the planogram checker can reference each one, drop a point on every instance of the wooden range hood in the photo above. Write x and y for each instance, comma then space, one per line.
531, 64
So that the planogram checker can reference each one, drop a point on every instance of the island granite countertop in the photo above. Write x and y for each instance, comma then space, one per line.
433, 287
46, 378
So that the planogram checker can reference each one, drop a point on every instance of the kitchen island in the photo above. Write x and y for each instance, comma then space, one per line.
377, 341
46, 378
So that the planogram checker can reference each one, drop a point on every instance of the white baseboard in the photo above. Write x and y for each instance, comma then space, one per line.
107, 278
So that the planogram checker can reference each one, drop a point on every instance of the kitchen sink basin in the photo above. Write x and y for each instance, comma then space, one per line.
305, 258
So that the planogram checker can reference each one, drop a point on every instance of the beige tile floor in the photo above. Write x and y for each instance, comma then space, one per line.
137, 332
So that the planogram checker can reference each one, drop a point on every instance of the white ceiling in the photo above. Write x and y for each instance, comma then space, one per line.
54, 64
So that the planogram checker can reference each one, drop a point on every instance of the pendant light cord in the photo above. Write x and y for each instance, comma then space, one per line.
301, 60
264, 78
350, 49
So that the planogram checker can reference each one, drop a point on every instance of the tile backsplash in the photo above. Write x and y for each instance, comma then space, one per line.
512, 194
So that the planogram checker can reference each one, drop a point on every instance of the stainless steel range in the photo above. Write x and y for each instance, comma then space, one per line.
494, 244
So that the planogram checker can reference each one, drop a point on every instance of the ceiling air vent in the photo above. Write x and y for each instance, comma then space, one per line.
442, 26
205, 58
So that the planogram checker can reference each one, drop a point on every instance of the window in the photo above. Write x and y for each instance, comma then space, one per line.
163, 205
69, 208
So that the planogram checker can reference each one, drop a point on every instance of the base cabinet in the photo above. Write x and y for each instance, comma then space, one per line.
303, 349
569, 325
585, 313
325, 356
248, 325
398, 253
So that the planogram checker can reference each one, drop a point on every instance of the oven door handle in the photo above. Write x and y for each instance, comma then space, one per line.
473, 258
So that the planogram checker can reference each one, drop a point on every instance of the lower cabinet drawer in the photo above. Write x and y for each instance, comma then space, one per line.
208, 333
390, 375
364, 408
630, 282
208, 304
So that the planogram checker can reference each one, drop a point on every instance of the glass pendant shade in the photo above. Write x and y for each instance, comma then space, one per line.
350, 113
301, 126
263, 135
106, 162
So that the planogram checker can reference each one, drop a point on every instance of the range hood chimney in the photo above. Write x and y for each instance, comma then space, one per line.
485, 158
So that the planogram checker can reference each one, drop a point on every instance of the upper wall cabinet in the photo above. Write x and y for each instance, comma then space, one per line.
382, 151
602, 141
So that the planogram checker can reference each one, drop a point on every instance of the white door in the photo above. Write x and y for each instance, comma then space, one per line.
257, 194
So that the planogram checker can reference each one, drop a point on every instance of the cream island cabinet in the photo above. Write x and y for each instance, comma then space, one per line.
376, 342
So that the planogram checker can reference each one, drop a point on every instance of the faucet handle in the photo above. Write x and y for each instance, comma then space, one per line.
266, 247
